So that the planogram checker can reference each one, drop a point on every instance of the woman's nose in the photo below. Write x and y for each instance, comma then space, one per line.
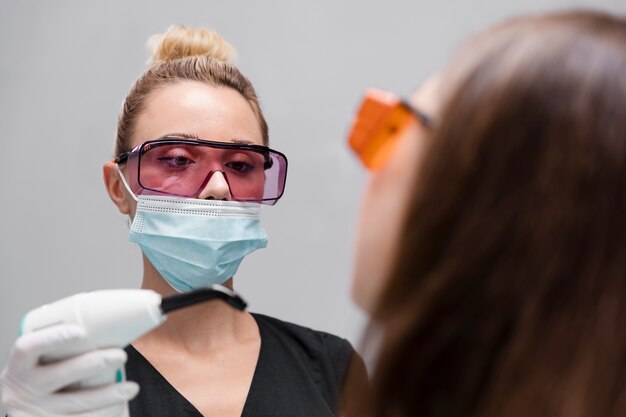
216, 188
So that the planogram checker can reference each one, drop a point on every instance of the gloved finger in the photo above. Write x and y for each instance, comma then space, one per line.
29, 347
92, 399
118, 410
54, 376
112, 411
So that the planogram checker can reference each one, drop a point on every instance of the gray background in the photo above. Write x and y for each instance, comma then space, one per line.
66, 66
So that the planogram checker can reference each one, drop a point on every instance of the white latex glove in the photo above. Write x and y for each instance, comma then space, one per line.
32, 389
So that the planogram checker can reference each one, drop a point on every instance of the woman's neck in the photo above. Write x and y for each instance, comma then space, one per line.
202, 328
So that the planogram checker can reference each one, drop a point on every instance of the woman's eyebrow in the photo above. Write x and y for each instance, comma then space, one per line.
243, 141
194, 136
182, 135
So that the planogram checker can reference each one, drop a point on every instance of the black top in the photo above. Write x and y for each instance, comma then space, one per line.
299, 373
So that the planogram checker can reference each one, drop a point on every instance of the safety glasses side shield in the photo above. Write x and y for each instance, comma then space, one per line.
379, 122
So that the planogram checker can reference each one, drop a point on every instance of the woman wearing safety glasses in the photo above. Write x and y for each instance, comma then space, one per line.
496, 283
192, 167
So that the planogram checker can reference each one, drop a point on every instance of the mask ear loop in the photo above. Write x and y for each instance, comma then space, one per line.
123, 178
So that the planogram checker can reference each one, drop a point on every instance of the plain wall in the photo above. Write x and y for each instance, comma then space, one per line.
66, 66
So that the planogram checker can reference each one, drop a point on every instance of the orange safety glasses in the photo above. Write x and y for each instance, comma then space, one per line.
379, 122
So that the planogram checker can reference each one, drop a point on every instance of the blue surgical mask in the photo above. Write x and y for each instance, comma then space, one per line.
196, 243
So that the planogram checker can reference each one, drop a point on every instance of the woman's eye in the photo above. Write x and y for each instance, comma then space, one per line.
240, 166
176, 161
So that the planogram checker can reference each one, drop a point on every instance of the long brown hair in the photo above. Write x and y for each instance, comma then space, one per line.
508, 297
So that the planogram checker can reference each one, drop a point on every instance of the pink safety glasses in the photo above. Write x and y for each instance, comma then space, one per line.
183, 167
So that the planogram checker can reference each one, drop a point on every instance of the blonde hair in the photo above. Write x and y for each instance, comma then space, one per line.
179, 54
180, 41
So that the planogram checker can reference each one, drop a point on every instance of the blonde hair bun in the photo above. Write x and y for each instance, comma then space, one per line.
180, 41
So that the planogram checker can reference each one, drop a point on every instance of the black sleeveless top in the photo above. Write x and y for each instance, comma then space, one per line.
299, 373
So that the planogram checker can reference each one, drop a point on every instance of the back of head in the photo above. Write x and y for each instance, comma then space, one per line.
180, 54
509, 297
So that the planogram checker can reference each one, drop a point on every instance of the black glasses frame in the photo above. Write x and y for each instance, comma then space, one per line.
139, 150
426, 120
146, 146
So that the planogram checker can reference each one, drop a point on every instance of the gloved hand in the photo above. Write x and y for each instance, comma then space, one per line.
30, 388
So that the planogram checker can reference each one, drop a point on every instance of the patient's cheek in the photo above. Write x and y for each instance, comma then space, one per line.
382, 215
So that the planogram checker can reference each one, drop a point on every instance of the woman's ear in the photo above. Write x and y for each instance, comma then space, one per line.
116, 189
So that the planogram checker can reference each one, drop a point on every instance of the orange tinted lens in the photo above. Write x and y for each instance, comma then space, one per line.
378, 124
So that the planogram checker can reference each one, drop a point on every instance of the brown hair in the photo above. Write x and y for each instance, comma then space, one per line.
508, 296
180, 54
